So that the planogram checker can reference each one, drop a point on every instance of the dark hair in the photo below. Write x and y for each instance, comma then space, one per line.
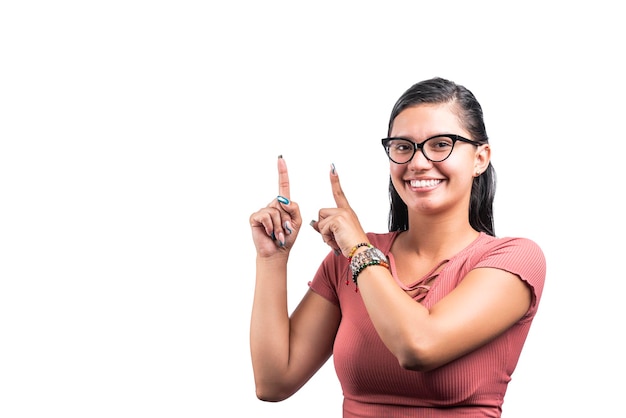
439, 90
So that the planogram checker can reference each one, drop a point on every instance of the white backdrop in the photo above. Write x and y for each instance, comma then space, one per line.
137, 137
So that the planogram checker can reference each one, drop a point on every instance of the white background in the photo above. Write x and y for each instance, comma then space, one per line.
138, 136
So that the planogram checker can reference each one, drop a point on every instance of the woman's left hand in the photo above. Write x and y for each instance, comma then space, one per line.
339, 227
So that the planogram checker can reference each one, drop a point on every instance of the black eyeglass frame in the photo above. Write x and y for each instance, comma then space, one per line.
420, 146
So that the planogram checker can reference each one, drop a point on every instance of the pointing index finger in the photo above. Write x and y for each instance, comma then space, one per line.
340, 198
283, 178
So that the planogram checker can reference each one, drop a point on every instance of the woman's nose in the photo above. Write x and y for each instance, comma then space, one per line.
419, 161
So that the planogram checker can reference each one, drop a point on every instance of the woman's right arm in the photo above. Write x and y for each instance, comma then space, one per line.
286, 350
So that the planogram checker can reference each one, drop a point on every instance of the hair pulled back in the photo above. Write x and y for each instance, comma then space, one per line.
438, 91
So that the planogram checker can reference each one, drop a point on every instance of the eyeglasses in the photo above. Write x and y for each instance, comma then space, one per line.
436, 148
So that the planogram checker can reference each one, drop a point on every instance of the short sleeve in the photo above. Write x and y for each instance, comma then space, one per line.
522, 257
324, 282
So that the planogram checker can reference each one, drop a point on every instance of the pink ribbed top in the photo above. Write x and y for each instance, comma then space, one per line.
374, 385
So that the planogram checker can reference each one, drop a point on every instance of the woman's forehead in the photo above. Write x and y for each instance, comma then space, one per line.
426, 120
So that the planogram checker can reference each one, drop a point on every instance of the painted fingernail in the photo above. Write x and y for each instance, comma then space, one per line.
288, 227
281, 239
280, 156
312, 223
333, 169
283, 200
273, 236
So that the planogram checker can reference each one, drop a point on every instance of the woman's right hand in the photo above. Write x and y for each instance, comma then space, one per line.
276, 226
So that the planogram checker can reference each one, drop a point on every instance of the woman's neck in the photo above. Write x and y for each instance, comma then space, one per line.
439, 238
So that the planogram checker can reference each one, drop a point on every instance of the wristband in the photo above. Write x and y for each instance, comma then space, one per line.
370, 257
356, 247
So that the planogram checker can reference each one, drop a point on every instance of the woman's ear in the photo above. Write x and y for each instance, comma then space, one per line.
483, 156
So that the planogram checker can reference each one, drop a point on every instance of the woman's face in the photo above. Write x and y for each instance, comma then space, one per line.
432, 188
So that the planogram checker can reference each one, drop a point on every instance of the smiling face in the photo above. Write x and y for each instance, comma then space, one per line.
432, 188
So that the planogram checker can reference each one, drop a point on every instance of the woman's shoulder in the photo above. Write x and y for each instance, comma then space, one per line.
382, 240
509, 242
519, 255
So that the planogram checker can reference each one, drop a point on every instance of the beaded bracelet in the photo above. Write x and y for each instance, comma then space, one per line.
356, 247
363, 266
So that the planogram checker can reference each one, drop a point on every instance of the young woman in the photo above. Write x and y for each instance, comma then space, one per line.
426, 320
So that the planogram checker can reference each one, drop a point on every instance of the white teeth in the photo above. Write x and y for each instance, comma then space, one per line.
424, 183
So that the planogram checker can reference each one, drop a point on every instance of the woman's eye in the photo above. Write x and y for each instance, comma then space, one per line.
441, 144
